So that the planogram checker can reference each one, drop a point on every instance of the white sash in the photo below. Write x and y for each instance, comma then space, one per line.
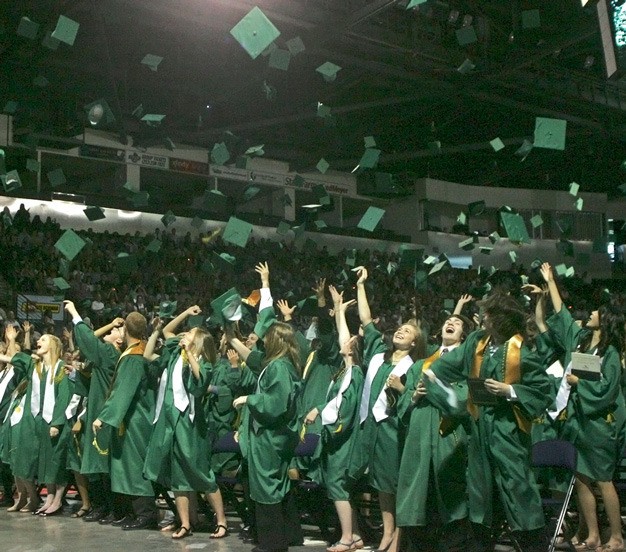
562, 395
48, 397
6, 378
72, 407
330, 412
380, 406
182, 399
18, 411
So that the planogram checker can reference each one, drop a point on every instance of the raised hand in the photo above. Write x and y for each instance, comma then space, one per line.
263, 270
532, 289
319, 288
361, 272
10, 333
546, 272
193, 311
285, 309
336, 296
233, 358
71, 308
118, 322
27, 326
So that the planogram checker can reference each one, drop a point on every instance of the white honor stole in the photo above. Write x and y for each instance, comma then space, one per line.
182, 399
330, 412
6, 378
18, 411
72, 407
48, 394
380, 406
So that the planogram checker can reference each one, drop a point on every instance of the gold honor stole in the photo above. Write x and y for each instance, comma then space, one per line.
447, 423
511, 365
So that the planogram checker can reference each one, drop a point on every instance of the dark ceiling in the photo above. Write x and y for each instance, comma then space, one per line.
399, 83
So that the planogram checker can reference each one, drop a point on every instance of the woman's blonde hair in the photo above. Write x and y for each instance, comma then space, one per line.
56, 352
204, 344
280, 341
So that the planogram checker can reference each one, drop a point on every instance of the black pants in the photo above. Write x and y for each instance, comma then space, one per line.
278, 525
100, 492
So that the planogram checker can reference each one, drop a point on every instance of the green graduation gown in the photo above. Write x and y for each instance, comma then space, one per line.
499, 451
595, 412
129, 410
434, 456
8, 383
179, 454
95, 385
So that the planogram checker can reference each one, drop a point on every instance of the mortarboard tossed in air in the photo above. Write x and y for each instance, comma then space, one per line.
466, 35
237, 232
250, 192
523, 151
320, 224
255, 150
573, 189
449, 304
550, 133
153, 119
11, 181
369, 142
322, 165
321, 194
414, 3
466, 67
69, 244
220, 154
579, 204
66, 30
41, 81
140, 199
560, 269
224, 260
295, 46
33, 165
152, 61
467, 245
227, 307
49, 42
329, 71
515, 227
369, 159
27, 28
61, 284
125, 263
497, 144
323, 111
168, 218
308, 306
138, 112
255, 32
56, 177
513, 256
536, 221
167, 309
154, 246
279, 59
369, 221
485, 249
409, 256
436, 268
94, 213
283, 228
565, 247
462, 218
287, 200
298, 181
10, 107
476, 208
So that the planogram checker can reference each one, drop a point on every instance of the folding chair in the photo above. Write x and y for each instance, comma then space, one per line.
556, 453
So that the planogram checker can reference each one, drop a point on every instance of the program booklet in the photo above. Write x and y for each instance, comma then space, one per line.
479, 393
586, 366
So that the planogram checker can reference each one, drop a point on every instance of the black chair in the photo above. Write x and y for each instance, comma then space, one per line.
559, 454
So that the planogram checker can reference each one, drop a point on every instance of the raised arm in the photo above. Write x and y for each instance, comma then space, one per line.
318, 289
104, 330
540, 305
236, 343
157, 326
169, 330
463, 300
555, 296
263, 270
27, 327
361, 296
339, 308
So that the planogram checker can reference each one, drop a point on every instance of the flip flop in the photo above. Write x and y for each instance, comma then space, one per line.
183, 533
81, 513
218, 528
341, 547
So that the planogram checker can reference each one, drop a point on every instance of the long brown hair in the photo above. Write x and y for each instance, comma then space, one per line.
280, 341
204, 344
418, 350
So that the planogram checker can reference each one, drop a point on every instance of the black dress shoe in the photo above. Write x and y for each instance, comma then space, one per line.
95, 515
120, 522
142, 522
108, 519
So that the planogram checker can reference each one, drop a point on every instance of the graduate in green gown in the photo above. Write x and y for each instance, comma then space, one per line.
129, 412
514, 389
378, 447
595, 413
338, 414
41, 444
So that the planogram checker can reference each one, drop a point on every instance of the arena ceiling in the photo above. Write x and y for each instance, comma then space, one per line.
399, 82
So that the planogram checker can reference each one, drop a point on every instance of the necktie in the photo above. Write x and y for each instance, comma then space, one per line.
443, 351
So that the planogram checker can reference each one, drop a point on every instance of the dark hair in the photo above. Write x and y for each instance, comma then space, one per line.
506, 316
280, 341
612, 331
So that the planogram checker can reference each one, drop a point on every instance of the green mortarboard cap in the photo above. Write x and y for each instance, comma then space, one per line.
329, 71
298, 181
66, 30
369, 142
152, 61
140, 199
57, 177
437, 267
237, 232
10, 107
371, 218
283, 228
320, 224
536, 263
579, 204
299, 230
435, 146
308, 306
515, 227
449, 304
351, 257
27, 28
269, 49
476, 208
485, 249
125, 263
98, 112
153, 119
154, 246
513, 256
64, 268
462, 218
420, 279
69, 244
497, 144
50, 42
369, 159
255, 32
224, 260
250, 192
430, 260
94, 213
321, 194
220, 154
41, 81
409, 256
11, 181
466, 67
207, 266
560, 269
287, 200
414, 3
570, 272
61, 284
33, 165
323, 111
565, 247
138, 112
524, 150
266, 318
295, 46
228, 302
322, 165
466, 35
255, 150
550, 133
167, 309
467, 245
531, 19
279, 59
168, 218
564, 224
197, 223
536, 221
573, 189
622, 188
195, 321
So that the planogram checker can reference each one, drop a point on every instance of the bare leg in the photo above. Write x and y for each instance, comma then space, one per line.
22, 497
356, 533
344, 512
217, 504
611, 506
82, 483
587, 504
388, 509
182, 505
55, 503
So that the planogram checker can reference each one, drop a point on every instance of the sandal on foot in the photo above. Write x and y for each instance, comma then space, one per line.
17, 506
182, 533
82, 513
610, 548
341, 547
218, 529
584, 547
357, 544
170, 527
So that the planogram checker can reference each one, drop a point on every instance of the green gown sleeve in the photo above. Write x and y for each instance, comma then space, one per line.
564, 329
22, 365
101, 354
373, 343
269, 407
65, 389
129, 376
